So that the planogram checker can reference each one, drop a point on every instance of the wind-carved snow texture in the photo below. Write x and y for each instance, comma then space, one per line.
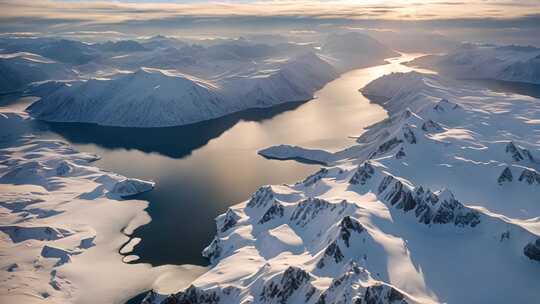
62, 223
432, 206
508, 63
151, 85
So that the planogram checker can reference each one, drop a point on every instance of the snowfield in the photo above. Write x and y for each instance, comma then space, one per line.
439, 203
508, 63
64, 226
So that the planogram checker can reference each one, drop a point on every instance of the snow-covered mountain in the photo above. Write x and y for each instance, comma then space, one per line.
61, 50
353, 50
436, 204
146, 98
200, 81
508, 63
155, 97
18, 70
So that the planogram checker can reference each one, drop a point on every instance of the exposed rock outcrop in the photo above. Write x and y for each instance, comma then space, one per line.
431, 126
230, 219
261, 197
281, 287
309, 209
506, 176
518, 153
363, 173
530, 176
437, 208
315, 177
532, 250
352, 287
275, 211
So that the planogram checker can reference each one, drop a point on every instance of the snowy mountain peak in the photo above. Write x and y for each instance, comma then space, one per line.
230, 219
284, 285
275, 211
518, 153
261, 197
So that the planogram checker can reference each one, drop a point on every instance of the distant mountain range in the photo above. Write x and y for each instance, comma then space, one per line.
508, 63
177, 86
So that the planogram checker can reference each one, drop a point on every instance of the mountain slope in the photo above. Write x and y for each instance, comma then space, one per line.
155, 98
436, 204
508, 63
146, 98
17, 70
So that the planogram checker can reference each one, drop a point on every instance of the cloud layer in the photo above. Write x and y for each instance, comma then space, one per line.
140, 16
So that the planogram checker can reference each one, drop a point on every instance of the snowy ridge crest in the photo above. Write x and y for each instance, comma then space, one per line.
439, 207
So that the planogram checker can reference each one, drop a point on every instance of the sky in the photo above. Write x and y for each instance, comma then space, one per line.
501, 17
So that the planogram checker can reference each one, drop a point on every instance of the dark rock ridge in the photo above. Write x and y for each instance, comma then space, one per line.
517, 153
64, 168
431, 126
532, 250
347, 226
261, 197
363, 173
506, 176
213, 251
230, 220
275, 211
408, 135
332, 252
530, 176
381, 293
444, 104
281, 289
400, 154
195, 295
315, 177
341, 290
310, 209
428, 207
387, 146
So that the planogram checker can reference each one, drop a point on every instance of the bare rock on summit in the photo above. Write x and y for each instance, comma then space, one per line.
364, 172
280, 288
532, 250
530, 176
230, 220
506, 176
